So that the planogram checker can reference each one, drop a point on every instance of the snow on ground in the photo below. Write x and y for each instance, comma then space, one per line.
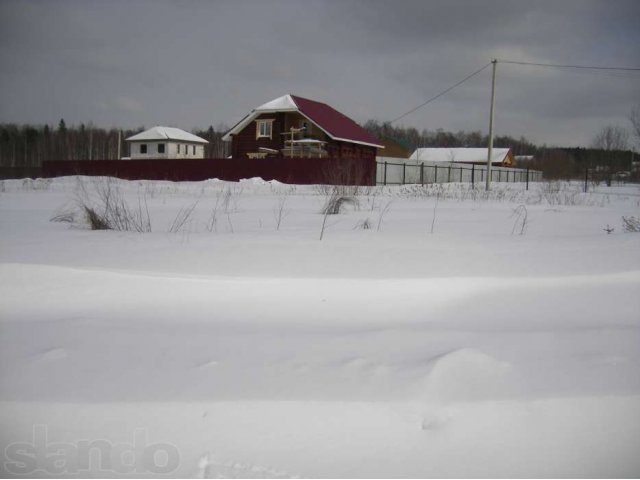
451, 338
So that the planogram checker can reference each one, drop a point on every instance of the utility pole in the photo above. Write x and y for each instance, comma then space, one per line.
491, 117
119, 144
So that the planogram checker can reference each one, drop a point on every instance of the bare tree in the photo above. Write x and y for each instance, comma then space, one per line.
634, 118
611, 137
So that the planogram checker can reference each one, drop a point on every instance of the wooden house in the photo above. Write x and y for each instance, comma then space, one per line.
296, 127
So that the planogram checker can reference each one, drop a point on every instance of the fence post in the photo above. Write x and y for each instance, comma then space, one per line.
435, 179
404, 173
422, 174
527, 178
473, 175
586, 179
385, 173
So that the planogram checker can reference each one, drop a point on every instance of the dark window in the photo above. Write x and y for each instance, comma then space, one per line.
143, 148
194, 149
178, 148
161, 148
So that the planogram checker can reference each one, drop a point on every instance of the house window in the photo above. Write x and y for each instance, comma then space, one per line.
161, 148
194, 149
143, 148
178, 148
186, 149
263, 128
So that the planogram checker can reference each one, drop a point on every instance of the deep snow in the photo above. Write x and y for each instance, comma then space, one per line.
392, 351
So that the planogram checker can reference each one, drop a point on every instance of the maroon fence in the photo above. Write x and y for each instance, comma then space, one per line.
304, 171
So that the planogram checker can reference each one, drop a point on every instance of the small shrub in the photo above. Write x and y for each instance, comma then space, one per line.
106, 209
279, 212
95, 220
630, 224
382, 213
363, 225
335, 202
181, 218
64, 216
521, 219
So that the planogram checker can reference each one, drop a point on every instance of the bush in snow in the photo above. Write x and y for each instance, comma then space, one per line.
105, 208
631, 224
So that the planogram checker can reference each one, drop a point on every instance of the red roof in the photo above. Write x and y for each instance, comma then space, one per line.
336, 124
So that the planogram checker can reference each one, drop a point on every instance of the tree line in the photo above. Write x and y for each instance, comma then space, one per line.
30, 145
411, 138
27, 146
610, 150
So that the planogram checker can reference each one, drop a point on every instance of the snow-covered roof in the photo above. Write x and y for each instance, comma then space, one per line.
336, 125
166, 133
279, 104
459, 155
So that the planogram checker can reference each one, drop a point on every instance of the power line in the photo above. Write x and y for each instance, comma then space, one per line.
440, 94
585, 67
513, 62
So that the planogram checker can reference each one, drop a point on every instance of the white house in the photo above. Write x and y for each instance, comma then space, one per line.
166, 142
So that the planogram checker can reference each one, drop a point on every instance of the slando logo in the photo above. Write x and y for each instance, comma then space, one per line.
100, 455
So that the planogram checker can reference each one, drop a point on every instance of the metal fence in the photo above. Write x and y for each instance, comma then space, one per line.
391, 172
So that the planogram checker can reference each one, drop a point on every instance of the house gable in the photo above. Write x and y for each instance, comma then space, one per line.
325, 125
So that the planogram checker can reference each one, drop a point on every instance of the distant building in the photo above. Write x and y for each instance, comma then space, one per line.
394, 148
166, 142
501, 157
292, 126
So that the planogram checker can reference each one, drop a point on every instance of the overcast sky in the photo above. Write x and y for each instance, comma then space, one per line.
199, 63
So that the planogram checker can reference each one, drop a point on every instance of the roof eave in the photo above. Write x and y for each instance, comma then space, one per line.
238, 127
241, 125
203, 141
359, 142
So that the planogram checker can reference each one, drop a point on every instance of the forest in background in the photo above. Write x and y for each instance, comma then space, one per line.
23, 148
30, 145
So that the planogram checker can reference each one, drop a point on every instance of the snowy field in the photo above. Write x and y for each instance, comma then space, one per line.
460, 334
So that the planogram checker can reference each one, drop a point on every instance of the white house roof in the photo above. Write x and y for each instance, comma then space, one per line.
459, 155
279, 104
166, 133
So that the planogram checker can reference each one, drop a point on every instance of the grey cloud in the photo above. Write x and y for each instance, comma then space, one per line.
196, 63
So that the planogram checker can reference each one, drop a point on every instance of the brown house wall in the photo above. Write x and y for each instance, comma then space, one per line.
245, 141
